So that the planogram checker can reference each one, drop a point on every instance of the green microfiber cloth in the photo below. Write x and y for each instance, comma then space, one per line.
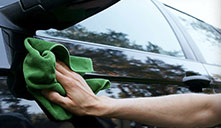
39, 73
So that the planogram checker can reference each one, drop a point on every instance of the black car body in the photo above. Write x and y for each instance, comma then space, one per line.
144, 49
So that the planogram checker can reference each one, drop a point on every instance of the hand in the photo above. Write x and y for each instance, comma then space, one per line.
79, 99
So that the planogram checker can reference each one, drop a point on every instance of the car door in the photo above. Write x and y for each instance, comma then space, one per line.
138, 47
206, 42
19, 19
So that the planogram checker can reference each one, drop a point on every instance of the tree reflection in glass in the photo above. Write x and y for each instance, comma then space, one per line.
206, 37
110, 37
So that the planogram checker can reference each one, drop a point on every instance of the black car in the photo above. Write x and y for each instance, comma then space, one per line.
145, 48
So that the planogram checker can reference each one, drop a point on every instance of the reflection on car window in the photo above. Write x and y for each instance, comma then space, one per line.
128, 24
206, 37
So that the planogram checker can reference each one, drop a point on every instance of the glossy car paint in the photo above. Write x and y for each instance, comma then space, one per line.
132, 73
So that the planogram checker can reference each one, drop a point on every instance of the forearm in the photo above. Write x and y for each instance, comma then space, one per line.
187, 110
173, 111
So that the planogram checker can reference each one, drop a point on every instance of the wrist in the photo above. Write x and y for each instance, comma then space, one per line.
102, 107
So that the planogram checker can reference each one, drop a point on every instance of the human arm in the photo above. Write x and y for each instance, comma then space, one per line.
185, 110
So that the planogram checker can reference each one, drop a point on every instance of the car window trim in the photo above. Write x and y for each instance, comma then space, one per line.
80, 42
189, 54
190, 41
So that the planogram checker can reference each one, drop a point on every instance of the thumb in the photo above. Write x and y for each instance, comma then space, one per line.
56, 97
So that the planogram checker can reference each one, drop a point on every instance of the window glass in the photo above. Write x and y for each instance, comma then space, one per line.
207, 39
129, 24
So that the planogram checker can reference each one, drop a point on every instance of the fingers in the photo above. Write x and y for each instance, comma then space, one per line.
56, 98
62, 79
69, 78
64, 65
62, 68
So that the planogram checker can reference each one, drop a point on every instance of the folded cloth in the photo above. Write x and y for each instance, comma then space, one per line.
39, 73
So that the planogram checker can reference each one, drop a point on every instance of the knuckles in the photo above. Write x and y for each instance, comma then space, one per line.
51, 96
68, 81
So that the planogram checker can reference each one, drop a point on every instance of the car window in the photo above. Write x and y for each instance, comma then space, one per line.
4, 63
7, 2
207, 38
129, 24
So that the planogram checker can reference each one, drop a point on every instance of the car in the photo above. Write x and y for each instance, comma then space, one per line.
144, 48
